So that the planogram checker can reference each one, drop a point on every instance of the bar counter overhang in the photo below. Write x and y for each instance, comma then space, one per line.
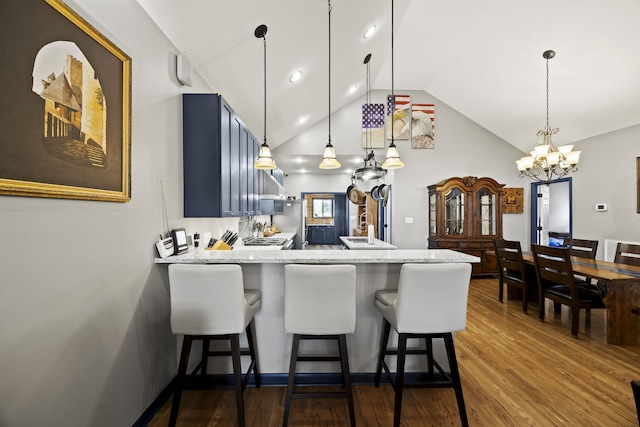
375, 269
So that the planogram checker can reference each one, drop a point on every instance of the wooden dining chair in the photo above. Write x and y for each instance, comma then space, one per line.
556, 282
581, 247
511, 268
627, 253
584, 249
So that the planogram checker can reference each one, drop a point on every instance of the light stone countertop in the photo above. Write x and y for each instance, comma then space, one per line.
332, 256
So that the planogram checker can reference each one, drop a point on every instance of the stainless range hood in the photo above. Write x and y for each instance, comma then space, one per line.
270, 188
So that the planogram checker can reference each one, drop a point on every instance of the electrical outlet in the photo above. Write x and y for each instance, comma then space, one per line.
408, 220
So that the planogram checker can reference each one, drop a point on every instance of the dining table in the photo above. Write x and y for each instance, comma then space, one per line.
619, 287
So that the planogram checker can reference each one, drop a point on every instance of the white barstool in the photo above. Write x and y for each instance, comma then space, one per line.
209, 302
319, 303
430, 302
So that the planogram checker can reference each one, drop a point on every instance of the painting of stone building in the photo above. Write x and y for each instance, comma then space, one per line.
74, 105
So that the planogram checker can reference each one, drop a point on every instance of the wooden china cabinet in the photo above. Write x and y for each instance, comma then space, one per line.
465, 214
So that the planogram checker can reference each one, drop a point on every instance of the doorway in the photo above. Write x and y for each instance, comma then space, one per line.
551, 209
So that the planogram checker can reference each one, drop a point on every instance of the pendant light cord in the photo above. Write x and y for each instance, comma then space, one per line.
329, 72
393, 96
264, 39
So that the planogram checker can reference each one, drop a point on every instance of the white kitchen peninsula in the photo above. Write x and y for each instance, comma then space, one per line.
264, 270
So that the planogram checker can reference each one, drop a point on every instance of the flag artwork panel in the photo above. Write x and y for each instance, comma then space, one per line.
423, 126
372, 126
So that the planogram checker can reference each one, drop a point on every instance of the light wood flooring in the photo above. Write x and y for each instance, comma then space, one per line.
516, 371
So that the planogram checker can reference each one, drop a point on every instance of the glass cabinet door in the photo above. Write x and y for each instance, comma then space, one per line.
432, 214
485, 212
454, 212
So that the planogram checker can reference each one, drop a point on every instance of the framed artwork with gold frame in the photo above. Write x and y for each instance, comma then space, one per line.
512, 200
66, 103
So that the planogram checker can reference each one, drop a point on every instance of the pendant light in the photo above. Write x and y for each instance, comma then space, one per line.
548, 162
371, 169
329, 160
264, 161
393, 157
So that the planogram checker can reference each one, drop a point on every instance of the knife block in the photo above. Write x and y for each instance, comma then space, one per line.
219, 246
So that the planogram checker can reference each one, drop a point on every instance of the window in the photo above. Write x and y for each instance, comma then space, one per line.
322, 208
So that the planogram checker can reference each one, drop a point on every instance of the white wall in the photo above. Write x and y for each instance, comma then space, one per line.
85, 337
607, 174
462, 148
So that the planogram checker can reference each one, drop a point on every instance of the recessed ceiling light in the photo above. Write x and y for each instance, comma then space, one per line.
295, 76
301, 120
369, 32
352, 89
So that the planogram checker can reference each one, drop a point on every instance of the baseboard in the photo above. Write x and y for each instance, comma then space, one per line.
199, 382
155, 406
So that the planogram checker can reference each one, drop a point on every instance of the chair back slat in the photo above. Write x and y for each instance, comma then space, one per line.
582, 248
627, 253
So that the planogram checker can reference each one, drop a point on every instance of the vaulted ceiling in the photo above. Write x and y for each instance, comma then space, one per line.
482, 58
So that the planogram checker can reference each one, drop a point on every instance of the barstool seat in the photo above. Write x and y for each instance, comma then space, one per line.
430, 303
209, 302
319, 303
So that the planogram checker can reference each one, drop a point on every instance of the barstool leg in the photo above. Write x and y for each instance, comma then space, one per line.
346, 376
253, 349
237, 377
182, 370
291, 380
384, 338
205, 357
429, 344
402, 352
455, 376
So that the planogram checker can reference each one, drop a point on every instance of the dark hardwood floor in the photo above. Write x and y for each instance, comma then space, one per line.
516, 371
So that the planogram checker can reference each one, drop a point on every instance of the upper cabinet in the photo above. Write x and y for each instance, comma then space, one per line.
466, 214
218, 156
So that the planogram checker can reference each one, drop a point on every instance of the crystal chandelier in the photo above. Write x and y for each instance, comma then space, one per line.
371, 169
548, 162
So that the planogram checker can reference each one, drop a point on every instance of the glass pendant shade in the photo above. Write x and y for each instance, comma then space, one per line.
265, 161
393, 158
329, 160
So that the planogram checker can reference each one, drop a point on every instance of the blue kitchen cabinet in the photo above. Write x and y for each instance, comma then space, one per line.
218, 156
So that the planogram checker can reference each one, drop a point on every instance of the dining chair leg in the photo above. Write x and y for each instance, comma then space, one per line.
291, 379
455, 377
541, 307
253, 350
179, 384
346, 376
399, 383
500, 290
575, 321
384, 338
237, 377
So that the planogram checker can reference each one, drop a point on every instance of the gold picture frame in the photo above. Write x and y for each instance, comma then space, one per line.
68, 94
638, 183
512, 200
